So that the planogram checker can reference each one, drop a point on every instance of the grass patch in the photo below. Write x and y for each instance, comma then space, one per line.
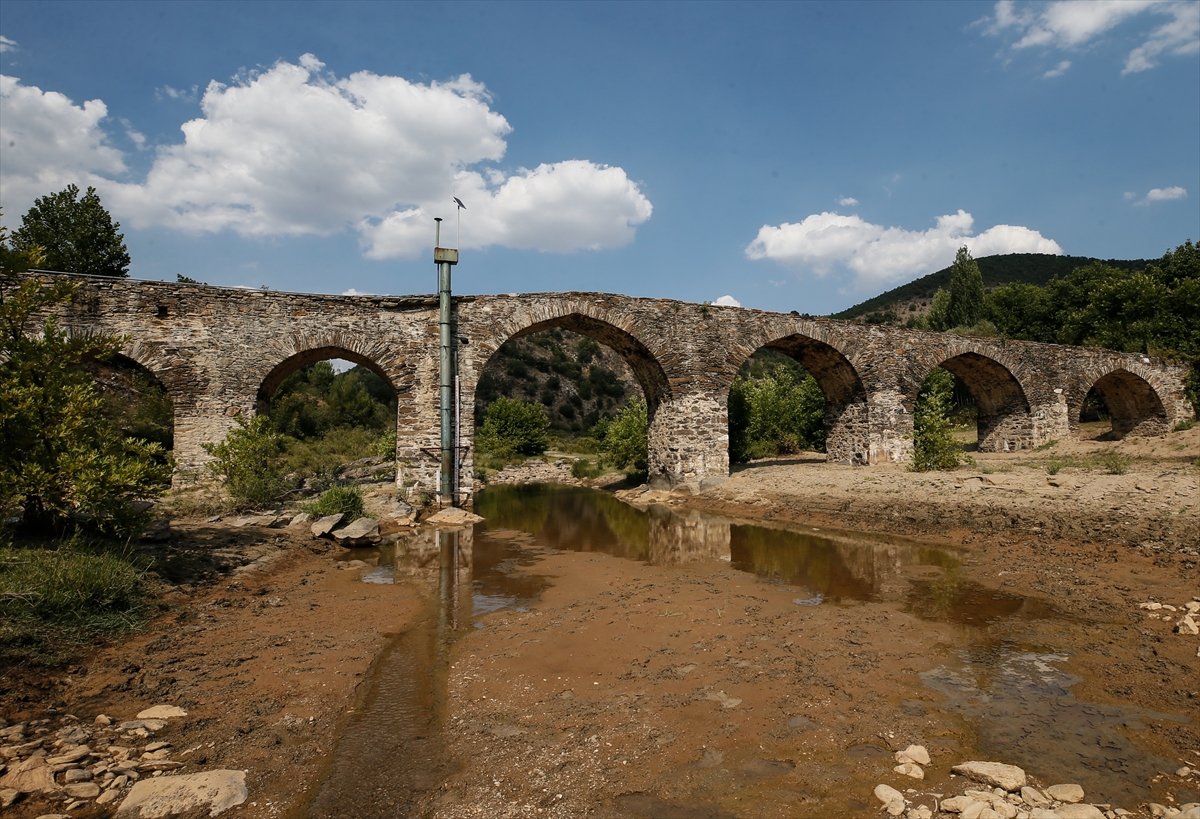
583, 468
348, 500
1048, 445
1114, 463
317, 459
1184, 425
54, 601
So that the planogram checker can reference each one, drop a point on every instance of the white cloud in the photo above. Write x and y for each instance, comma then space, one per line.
727, 301
50, 142
847, 201
1071, 25
353, 292
7, 44
1158, 195
1058, 70
294, 150
876, 255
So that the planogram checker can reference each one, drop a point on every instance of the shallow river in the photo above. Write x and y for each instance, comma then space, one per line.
1015, 697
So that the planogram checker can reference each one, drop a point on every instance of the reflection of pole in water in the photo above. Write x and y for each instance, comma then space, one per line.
448, 579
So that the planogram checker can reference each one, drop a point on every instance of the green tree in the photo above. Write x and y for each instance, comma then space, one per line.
61, 458
18, 261
966, 292
248, 462
76, 235
934, 446
625, 439
939, 312
776, 414
513, 428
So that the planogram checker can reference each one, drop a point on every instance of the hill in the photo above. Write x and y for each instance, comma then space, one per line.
1029, 268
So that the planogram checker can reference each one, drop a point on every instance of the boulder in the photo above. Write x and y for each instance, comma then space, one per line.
163, 796
1079, 812
956, 804
31, 776
452, 516
1065, 793
913, 753
892, 799
324, 526
162, 712
83, 790
302, 517
910, 769
361, 531
1009, 777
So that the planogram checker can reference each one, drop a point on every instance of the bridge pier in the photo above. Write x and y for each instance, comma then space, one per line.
688, 441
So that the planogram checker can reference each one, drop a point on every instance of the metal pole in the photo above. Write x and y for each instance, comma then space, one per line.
445, 258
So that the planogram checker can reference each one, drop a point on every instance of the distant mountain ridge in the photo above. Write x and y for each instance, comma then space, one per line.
1029, 268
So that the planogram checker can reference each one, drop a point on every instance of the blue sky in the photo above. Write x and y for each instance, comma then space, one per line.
789, 155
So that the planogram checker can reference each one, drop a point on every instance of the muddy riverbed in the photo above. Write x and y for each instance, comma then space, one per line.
733, 654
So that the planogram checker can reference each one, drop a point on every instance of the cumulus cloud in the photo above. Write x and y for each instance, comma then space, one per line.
50, 142
1158, 195
727, 301
1070, 25
847, 201
294, 150
876, 255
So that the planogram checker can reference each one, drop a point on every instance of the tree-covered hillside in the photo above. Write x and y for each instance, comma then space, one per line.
578, 380
897, 305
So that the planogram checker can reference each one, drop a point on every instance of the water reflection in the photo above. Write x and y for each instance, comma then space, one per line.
1022, 705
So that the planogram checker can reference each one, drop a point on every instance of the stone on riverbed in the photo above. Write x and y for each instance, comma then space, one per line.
361, 531
891, 798
162, 712
172, 795
913, 753
453, 516
1065, 793
30, 776
324, 526
1009, 777
910, 769
1079, 812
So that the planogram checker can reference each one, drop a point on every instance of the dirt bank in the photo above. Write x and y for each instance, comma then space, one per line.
630, 690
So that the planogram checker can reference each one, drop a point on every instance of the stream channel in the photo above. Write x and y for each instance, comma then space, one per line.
983, 687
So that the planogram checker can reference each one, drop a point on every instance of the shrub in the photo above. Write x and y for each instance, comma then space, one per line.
776, 414
625, 442
513, 428
247, 461
345, 499
583, 468
934, 446
1115, 463
62, 460
1184, 425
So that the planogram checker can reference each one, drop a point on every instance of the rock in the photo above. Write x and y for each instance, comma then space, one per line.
158, 712
1156, 810
103, 720
156, 746
30, 776
169, 795
1151, 606
919, 812
1190, 811
1065, 793
303, 517
363, 530
8, 796
891, 798
1079, 812
1033, 797
1003, 809
353, 564
324, 526
111, 795
974, 810
148, 725
77, 775
1043, 813
453, 516
723, 698
910, 769
1009, 777
83, 790
402, 512
956, 804
73, 755
157, 531
1192, 606
159, 765
54, 816
1187, 625
913, 753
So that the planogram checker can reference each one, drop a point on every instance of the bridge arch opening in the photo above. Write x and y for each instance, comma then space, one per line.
1119, 404
334, 407
135, 400
797, 394
987, 400
597, 386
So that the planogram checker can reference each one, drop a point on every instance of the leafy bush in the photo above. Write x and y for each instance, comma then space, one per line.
53, 600
513, 428
247, 461
776, 414
316, 460
625, 441
934, 446
62, 461
583, 468
1184, 425
385, 445
345, 499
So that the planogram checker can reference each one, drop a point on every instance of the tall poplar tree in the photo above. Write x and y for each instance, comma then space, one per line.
966, 291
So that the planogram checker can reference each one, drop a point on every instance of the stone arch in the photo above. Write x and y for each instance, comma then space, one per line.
1005, 422
846, 416
1133, 403
300, 350
270, 383
641, 359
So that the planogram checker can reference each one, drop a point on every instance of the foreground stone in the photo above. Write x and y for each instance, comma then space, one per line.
162, 712
171, 795
1009, 777
31, 776
324, 526
361, 531
453, 516
892, 799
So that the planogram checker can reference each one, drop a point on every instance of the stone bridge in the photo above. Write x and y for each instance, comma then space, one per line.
222, 352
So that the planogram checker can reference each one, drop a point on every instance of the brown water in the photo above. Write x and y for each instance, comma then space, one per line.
389, 754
